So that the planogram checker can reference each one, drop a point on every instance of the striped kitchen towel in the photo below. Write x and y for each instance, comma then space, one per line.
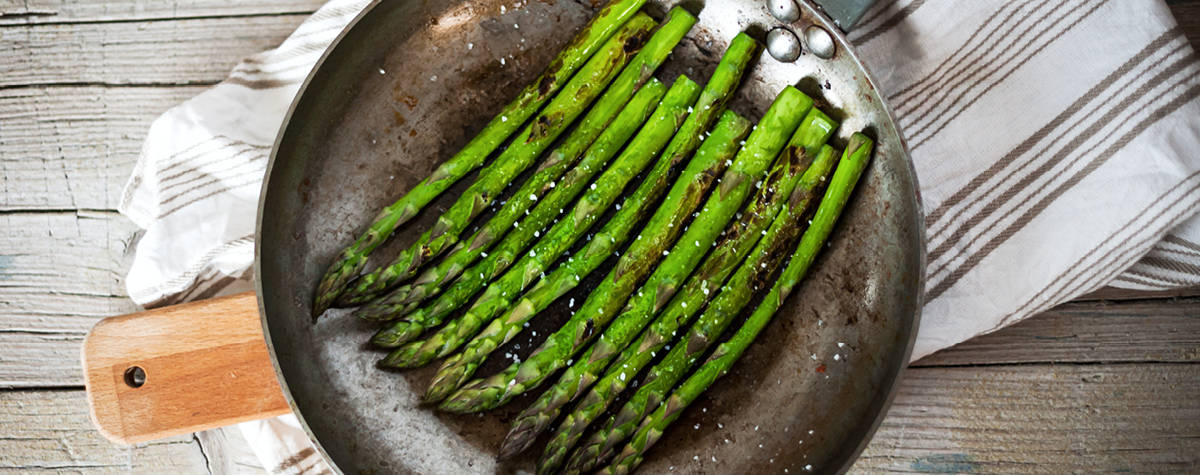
1056, 144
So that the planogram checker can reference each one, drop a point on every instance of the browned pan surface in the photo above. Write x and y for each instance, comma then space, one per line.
409, 84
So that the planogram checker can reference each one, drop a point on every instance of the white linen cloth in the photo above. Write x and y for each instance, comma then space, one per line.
1056, 145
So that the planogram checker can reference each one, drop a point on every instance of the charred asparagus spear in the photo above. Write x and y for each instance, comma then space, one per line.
707, 163
641, 150
352, 259
635, 74
740, 238
712, 100
601, 306
734, 295
591, 80
725, 79
718, 364
397, 305
497, 299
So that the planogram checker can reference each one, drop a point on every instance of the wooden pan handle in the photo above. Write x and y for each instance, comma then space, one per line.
180, 369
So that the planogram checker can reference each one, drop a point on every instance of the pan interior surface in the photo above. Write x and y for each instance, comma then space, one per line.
410, 83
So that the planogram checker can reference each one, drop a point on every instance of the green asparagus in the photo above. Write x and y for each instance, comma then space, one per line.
716, 94
396, 305
352, 259
718, 364
521, 152
704, 167
601, 306
604, 191
712, 100
636, 73
734, 295
740, 238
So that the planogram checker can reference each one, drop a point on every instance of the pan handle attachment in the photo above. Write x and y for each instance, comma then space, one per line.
180, 369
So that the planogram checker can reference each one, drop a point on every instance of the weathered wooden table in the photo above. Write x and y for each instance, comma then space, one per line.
1111, 382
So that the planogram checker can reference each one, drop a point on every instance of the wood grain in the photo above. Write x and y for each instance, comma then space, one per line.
26, 12
60, 272
1115, 293
1092, 332
1042, 419
196, 376
69, 148
180, 52
49, 431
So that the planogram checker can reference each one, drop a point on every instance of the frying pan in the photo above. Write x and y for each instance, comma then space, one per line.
406, 85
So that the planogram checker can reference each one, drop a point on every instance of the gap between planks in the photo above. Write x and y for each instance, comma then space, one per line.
1045, 418
183, 52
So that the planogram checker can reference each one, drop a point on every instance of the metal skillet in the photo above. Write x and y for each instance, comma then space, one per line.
410, 82
406, 85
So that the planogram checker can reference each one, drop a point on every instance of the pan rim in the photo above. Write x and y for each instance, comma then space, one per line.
258, 231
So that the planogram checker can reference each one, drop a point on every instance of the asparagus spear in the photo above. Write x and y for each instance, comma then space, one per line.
603, 192
719, 363
734, 295
570, 228
601, 306
718, 91
352, 259
501, 294
712, 100
636, 73
398, 303
702, 171
521, 152
740, 238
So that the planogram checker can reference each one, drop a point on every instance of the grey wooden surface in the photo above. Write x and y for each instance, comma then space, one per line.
1110, 383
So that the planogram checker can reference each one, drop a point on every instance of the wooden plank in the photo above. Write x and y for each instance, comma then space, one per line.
60, 272
1135, 331
1114, 293
49, 431
1043, 418
196, 51
74, 147
26, 12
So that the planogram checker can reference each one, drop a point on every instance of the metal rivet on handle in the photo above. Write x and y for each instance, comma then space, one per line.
819, 42
784, 10
783, 44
